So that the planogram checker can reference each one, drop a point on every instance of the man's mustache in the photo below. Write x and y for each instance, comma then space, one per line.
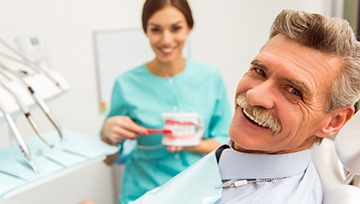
260, 115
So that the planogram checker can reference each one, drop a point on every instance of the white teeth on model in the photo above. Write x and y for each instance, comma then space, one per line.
181, 130
255, 120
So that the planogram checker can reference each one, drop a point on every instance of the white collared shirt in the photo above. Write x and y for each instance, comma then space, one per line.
299, 181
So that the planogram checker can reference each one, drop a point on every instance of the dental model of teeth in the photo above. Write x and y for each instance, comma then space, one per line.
180, 130
184, 131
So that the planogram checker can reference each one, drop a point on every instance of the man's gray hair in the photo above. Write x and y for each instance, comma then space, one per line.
332, 36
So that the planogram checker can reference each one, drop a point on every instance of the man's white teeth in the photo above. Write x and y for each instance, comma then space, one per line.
261, 123
239, 101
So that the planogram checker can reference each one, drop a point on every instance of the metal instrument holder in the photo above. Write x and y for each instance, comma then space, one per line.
39, 159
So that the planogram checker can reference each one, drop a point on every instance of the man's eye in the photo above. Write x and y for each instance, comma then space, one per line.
260, 72
294, 91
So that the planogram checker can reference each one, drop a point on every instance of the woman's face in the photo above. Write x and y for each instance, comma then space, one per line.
167, 30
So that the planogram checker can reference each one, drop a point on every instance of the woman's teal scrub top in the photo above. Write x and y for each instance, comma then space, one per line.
143, 97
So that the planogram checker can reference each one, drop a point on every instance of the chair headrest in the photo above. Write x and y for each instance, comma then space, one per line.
347, 145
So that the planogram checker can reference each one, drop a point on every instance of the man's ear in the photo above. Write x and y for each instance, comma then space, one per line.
336, 120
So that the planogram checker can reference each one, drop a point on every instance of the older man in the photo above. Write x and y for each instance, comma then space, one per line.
299, 89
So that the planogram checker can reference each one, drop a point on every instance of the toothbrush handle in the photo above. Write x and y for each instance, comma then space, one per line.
159, 131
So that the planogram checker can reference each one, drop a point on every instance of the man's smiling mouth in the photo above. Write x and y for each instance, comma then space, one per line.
258, 115
254, 120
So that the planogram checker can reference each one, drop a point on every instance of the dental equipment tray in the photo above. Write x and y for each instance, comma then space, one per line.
75, 151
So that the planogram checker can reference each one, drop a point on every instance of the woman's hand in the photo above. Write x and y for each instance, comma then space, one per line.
119, 128
174, 148
204, 147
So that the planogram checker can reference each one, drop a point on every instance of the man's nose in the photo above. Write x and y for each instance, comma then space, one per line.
262, 95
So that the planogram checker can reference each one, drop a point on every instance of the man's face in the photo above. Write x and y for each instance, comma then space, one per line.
289, 85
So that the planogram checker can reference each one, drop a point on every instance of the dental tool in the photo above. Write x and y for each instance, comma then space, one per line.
24, 108
20, 140
15, 76
34, 66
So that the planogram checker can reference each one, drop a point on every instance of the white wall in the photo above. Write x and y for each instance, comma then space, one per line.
227, 33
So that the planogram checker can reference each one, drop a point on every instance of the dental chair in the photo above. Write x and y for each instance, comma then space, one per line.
338, 163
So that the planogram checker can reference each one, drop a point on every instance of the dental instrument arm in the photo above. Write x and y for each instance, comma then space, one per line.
11, 75
34, 66
47, 111
20, 140
26, 111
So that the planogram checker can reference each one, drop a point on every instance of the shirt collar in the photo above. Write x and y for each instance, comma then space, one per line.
239, 165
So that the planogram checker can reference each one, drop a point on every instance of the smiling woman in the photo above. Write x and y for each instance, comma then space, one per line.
167, 31
169, 84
